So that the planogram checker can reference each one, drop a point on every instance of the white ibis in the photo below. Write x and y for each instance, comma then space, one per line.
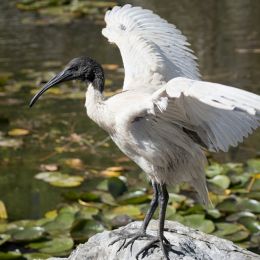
165, 116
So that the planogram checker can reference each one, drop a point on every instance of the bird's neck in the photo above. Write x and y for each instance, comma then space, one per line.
95, 105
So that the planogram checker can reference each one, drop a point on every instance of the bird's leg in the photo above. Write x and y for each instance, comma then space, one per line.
152, 208
163, 200
142, 232
160, 241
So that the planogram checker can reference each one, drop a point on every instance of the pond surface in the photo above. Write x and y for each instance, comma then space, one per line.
224, 35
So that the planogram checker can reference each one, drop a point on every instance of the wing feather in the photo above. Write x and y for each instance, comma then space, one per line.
222, 116
186, 114
153, 51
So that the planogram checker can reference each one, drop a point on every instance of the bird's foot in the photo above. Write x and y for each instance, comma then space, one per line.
133, 237
164, 244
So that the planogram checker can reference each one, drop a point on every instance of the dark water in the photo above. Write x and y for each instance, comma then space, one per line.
225, 35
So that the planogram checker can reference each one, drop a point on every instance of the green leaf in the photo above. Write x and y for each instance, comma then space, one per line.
38, 256
85, 228
129, 210
18, 132
3, 211
116, 186
87, 213
238, 236
54, 247
250, 205
174, 197
199, 222
254, 165
90, 196
28, 234
10, 255
234, 167
59, 179
256, 185
239, 179
221, 181
224, 229
8, 142
214, 170
238, 215
228, 205
135, 197
61, 224
4, 238
254, 195
214, 213
250, 224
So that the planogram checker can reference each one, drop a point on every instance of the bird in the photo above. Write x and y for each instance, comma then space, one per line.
166, 116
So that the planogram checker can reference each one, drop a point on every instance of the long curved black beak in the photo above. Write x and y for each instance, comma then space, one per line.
65, 75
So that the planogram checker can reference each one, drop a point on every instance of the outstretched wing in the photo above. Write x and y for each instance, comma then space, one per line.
217, 115
153, 51
186, 114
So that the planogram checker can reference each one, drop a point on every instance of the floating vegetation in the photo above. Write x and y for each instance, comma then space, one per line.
102, 195
113, 202
65, 10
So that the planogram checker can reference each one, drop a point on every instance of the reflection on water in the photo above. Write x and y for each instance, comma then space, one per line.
224, 35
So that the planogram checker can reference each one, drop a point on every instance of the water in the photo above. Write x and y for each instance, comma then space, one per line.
224, 35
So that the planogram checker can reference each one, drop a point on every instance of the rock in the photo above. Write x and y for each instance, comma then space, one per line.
187, 244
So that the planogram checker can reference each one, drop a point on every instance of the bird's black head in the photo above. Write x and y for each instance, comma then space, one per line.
83, 68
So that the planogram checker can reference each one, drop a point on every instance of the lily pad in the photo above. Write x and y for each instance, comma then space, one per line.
256, 184
254, 195
116, 186
18, 132
214, 170
238, 215
238, 236
87, 213
34, 256
234, 167
8, 142
10, 255
254, 165
176, 198
239, 179
114, 171
228, 205
199, 222
90, 196
56, 246
28, 234
49, 167
252, 225
129, 210
221, 181
224, 229
3, 212
85, 228
4, 238
215, 213
75, 163
59, 179
250, 205
62, 223
135, 197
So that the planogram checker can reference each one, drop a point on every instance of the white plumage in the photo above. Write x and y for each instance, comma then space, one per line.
167, 114
165, 117
153, 51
